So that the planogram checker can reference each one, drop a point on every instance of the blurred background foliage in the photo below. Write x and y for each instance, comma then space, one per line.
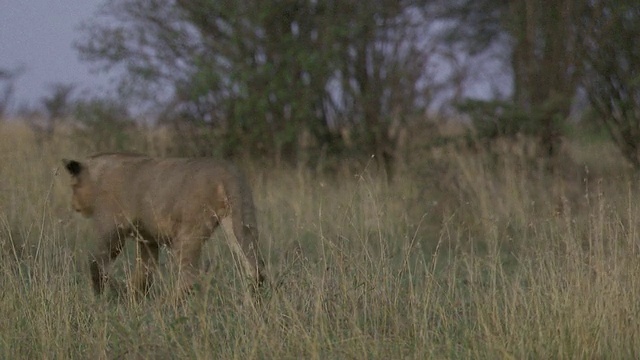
315, 84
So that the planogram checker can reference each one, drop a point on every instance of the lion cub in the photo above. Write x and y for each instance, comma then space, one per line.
177, 202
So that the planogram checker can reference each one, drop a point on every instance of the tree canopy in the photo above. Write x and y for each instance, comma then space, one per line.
281, 77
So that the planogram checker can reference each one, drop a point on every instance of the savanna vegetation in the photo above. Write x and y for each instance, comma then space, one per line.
400, 216
468, 255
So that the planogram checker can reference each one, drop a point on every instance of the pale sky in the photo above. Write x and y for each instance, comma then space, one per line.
38, 34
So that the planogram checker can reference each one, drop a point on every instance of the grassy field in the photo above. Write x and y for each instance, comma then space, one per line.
467, 255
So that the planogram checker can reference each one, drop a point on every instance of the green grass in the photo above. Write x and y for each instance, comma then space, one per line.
465, 256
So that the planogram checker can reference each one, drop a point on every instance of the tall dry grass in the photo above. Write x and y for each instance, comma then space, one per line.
468, 255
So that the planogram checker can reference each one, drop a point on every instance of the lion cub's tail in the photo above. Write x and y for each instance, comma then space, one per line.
244, 223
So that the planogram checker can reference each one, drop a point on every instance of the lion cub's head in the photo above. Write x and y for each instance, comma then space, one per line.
83, 197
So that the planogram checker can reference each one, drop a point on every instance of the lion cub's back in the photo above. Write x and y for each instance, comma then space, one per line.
166, 183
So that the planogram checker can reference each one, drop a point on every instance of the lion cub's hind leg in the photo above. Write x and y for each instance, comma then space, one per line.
246, 251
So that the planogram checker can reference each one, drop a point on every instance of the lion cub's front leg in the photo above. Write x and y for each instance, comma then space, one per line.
110, 245
187, 249
147, 253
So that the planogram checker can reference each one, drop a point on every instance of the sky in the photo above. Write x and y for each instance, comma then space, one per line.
38, 34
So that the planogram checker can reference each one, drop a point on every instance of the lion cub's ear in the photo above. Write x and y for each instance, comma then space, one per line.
72, 166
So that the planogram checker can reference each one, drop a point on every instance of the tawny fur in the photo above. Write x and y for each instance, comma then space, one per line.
177, 202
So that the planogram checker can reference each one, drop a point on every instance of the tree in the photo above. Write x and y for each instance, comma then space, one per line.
541, 40
264, 73
382, 73
545, 65
610, 31
57, 105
